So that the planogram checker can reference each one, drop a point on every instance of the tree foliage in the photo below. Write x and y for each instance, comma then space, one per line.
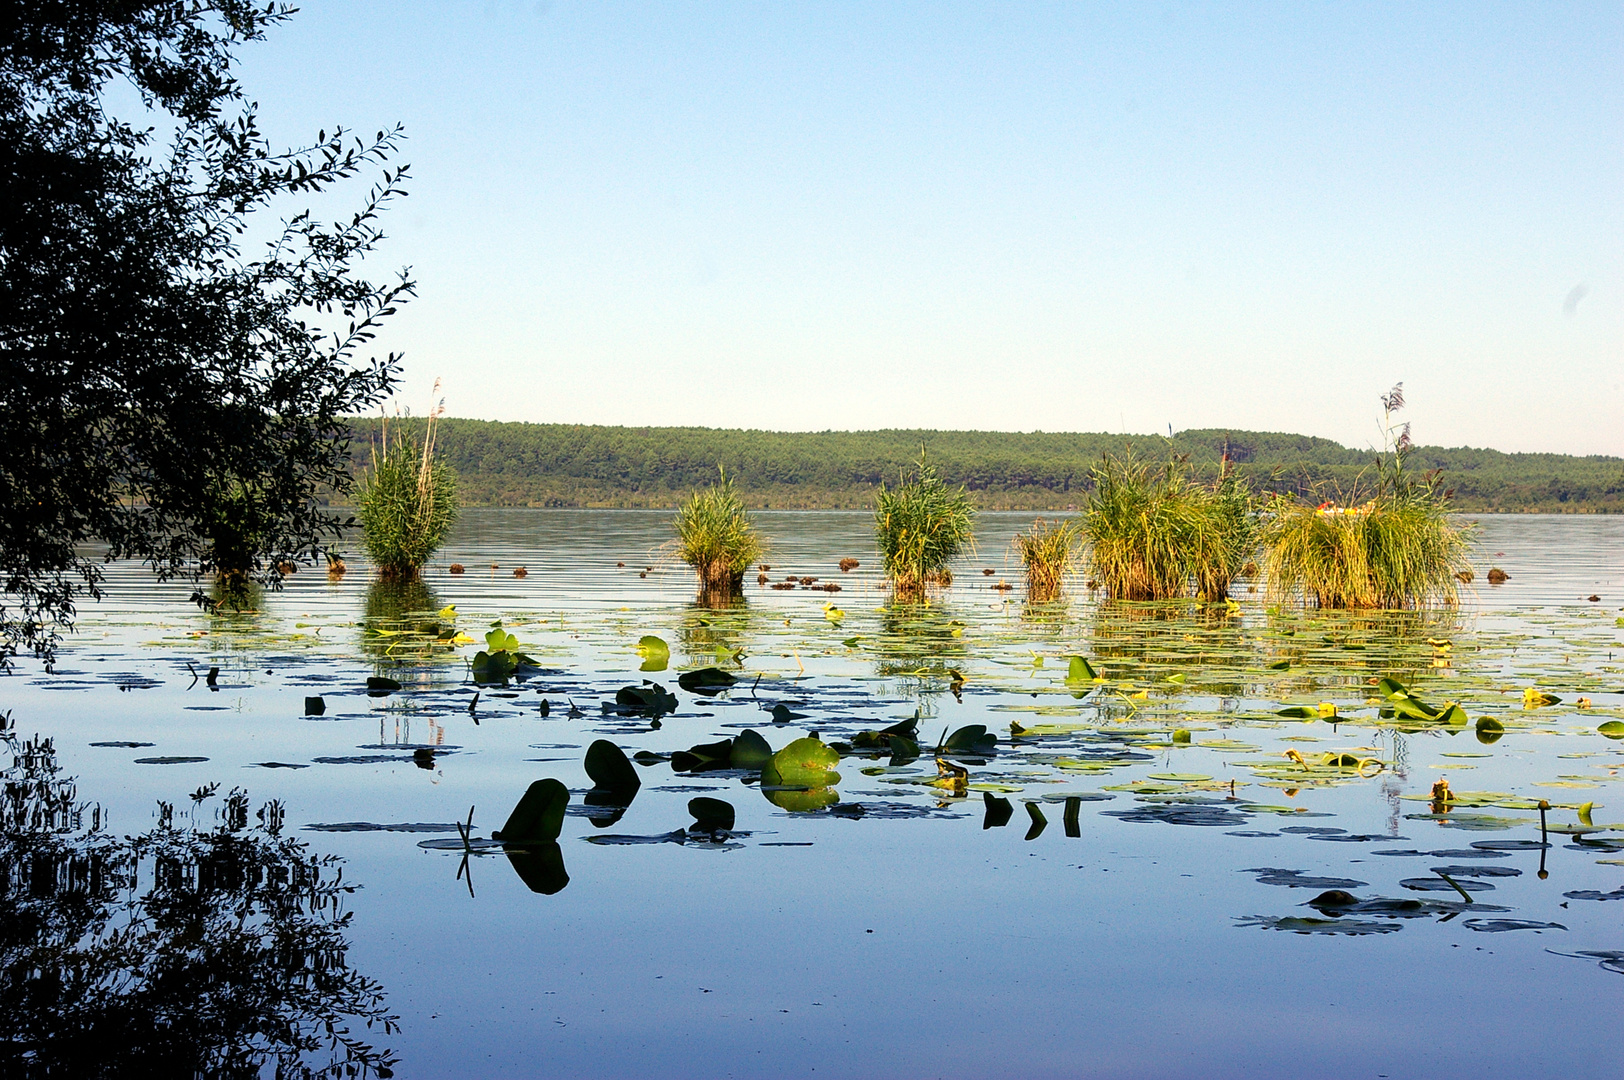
162, 391
515, 464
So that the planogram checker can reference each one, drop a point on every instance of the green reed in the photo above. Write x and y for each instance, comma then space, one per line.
921, 525
1155, 533
716, 537
1049, 553
407, 505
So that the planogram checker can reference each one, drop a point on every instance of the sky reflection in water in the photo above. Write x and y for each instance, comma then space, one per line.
899, 930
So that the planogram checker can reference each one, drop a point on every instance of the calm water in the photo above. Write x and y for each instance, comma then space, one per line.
892, 934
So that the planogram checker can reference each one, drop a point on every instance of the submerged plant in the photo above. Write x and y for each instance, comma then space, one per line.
1154, 533
921, 525
716, 537
1049, 553
1402, 547
408, 503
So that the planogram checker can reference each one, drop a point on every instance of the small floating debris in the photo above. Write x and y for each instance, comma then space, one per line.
456, 568
169, 760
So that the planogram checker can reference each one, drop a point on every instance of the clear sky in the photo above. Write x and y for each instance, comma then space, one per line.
1066, 217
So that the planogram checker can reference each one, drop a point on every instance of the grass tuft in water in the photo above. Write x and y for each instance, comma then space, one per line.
716, 537
1155, 533
1049, 553
408, 503
920, 526
1400, 548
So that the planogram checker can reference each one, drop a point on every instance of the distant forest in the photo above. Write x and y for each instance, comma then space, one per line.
515, 464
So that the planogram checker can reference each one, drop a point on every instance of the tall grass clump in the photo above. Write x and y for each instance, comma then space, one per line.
1049, 553
716, 537
1400, 548
408, 503
1155, 533
921, 525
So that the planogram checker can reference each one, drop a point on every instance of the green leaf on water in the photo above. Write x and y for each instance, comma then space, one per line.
608, 767
803, 763
705, 679
1613, 729
655, 652
539, 815
711, 815
750, 750
1079, 670
971, 739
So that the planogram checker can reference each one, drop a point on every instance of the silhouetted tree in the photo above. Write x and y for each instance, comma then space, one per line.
162, 390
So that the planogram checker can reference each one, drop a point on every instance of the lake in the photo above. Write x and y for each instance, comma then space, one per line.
1120, 888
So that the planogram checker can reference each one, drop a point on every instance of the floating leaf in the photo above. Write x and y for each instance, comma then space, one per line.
655, 652
803, 763
539, 815
971, 739
1079, 670
750, 750
716, 755
711, 815
707, 680
653, 698
1613, 729
908, 729
609, 769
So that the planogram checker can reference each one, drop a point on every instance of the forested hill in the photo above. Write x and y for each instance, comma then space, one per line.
513, 464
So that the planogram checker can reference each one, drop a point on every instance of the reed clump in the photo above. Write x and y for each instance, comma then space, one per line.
1156, 533
716, 537
1402, 547
1049, 553
920, 526
1399, 549
408, 503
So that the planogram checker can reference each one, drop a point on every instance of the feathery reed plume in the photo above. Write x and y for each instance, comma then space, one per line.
408, 501
1400, 548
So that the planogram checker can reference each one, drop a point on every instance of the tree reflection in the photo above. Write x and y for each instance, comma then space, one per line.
186, 951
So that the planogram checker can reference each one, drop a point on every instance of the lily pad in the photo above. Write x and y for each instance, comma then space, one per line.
804, 763
750, 750
652, 698
539, 815
655, 652
709, 680
609, 768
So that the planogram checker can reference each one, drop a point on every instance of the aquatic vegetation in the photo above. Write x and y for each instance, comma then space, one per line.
1401, 547
1154, 533
921, 526
1049, 554
407, 504
716, 537
501, 657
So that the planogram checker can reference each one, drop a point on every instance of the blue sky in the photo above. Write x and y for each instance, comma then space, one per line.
1066, 217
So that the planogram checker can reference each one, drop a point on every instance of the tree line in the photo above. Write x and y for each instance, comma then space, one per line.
579, 465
